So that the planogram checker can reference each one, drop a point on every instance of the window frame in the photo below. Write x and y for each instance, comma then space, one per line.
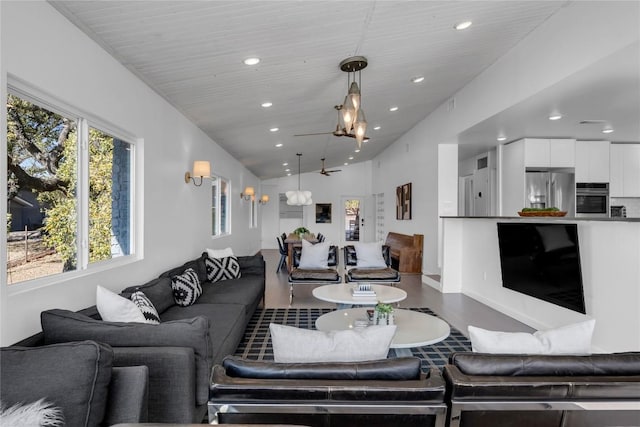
216, 181
84, 120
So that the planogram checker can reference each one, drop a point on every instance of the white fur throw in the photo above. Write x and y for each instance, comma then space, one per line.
39, 413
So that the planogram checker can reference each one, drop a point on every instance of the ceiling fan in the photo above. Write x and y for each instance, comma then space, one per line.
338, 131
327, 172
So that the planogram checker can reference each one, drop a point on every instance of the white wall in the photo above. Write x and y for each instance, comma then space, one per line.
547, 55
354, 180
609, 254
41, 47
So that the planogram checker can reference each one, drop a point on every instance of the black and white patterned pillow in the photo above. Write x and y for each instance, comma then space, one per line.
146, 307
186, 287
222, 268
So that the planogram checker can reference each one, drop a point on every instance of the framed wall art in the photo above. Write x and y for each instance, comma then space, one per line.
403, 201
323, 213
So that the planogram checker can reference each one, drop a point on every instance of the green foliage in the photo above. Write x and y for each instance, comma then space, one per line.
301, 230
540, 210
8, 222
384, 308
42, 152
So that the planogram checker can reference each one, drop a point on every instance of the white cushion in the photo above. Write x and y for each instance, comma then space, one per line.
369, 255
314, 256
295, 345
570, 339
114, 308
219, 253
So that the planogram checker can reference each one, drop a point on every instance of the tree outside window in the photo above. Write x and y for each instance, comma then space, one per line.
47, 210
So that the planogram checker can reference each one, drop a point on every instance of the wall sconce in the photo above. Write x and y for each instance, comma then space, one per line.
248, 193
264, 199
201, 169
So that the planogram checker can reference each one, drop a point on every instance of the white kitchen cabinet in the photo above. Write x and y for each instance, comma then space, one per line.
625, 170
549, 153
592, 161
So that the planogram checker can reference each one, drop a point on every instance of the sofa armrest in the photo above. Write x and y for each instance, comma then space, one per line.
128, 394
172, 376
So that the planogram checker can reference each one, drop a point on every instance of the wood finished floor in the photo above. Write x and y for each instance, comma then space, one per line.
457, 309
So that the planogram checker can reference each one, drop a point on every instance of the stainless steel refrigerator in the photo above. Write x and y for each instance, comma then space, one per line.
545, 189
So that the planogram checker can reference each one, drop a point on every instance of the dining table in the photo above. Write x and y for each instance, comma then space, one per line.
295, 241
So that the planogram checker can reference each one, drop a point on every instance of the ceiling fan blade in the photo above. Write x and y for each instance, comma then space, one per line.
312, 134
334, 170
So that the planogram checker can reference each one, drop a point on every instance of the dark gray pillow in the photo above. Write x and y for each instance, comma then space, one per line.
197, 264
158, 291
64, 325
73, 376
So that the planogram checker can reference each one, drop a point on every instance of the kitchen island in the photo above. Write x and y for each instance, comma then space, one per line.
610, 262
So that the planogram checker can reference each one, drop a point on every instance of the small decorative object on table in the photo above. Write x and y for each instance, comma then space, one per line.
541, 212
383, 314
301, 232
363, 290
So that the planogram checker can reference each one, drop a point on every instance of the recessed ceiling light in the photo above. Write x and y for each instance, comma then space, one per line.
607, 130
463, 25
289, 174
285, 164
394, 108
274, 129
287, 170
357, 150
279, 144
350, 157
377, 128
346, 164
502, 138
266, 104
251, 61
555, 117
417, 79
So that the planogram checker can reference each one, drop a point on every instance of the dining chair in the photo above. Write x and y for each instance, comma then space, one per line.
282, 246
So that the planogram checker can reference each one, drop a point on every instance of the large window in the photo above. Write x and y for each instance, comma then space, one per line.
69, 191
220, 212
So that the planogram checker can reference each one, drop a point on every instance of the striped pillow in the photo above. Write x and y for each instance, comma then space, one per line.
186, 288
222, 268
146, 307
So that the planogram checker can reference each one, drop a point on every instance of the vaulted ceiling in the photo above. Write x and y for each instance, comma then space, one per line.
191, 53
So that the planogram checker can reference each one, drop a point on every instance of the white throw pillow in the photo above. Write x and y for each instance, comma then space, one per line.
39, 413
314, 256
295, 345
220, 253
114, 308
369, 255
570, 339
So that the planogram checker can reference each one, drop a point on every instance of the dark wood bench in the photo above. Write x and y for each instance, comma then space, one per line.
406, 252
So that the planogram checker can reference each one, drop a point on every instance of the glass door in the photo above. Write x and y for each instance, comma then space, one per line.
352, 219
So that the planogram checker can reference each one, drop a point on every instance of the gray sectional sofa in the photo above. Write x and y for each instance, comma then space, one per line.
179, 352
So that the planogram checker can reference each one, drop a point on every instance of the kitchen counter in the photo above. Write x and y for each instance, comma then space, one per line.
547, 218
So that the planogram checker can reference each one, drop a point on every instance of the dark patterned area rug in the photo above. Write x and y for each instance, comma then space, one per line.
256, 344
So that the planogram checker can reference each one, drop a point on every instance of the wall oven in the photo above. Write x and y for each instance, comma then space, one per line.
592, 199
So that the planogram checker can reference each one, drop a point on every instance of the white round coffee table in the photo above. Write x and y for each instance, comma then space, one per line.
414, 329
341, 294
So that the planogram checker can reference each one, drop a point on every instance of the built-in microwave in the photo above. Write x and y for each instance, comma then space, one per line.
592, 199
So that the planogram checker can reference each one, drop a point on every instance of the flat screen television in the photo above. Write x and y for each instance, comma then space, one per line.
543, 261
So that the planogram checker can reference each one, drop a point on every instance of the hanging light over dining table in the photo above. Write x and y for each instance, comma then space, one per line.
299, 197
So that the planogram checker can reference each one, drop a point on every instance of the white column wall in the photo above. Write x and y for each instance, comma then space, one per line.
39, 46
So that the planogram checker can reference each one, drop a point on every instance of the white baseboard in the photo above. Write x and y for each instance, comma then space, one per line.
433, 283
